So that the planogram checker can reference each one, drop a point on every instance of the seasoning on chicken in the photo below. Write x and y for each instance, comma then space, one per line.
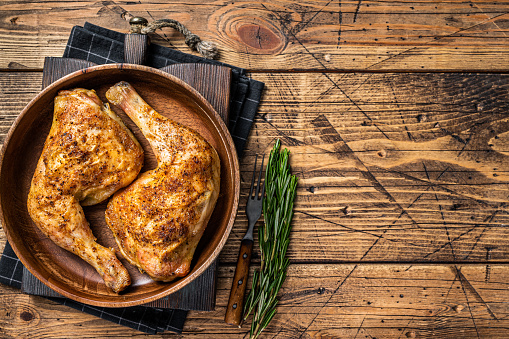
88, 155
159, 219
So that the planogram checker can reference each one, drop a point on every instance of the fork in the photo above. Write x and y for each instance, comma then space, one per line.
254, 208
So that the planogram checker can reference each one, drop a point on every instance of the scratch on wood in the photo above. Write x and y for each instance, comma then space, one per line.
466, 297
450, 287
317, 237
366, 78
427, 188
487, 220
344, 226
431, 184
404, 329
373, 245
357, 10
447, 243
283, 23
494, 23
328, 300
464, 279
114, 7
354, 103
340, 22
436, 38
329, 134
301, 27
360, 326
441, 213
453, 135
291, 141
14, 65
466, 144
440, 208
325, 74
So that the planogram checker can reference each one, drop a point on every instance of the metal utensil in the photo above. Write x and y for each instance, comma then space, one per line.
254, 208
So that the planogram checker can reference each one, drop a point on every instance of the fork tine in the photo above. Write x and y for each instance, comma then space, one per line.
253, 179
259, 177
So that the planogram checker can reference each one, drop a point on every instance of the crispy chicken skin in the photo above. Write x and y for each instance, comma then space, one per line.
159, 219
88, 155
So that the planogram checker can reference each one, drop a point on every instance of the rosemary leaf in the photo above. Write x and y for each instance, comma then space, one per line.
273, 238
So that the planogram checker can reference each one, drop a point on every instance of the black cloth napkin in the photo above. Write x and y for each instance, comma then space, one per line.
100, 45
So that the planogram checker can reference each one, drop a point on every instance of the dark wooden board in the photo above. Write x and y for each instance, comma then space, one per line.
210, 81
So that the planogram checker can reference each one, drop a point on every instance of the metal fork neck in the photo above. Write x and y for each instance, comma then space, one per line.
249, 233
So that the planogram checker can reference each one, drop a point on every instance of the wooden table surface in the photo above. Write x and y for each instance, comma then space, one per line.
397, 117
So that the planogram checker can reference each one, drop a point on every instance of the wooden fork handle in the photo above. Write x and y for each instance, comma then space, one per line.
236, 302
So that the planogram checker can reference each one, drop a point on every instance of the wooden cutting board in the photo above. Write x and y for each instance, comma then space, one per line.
213, 82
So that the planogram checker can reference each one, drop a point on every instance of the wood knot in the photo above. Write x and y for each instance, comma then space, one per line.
458, 308
410, 334
26, 316
14, 64
259, 37
382, 153
251, 30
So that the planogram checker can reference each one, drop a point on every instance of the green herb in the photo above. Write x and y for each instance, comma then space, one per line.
274, 237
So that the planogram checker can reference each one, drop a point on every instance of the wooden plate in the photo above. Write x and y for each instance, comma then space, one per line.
66, 273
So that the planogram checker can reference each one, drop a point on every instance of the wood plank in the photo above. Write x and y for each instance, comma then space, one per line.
304, 34
392, 167
383, 301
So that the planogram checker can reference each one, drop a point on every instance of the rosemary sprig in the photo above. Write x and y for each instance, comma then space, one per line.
273, 238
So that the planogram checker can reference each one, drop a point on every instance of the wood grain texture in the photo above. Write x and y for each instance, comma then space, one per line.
198, 75
386, 301
283, 35
56, 68
394, 168
135, 48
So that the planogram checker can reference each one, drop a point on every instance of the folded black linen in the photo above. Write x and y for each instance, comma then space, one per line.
100, 45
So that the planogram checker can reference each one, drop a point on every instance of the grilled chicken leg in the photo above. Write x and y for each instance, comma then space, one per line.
159, 219
88, 155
